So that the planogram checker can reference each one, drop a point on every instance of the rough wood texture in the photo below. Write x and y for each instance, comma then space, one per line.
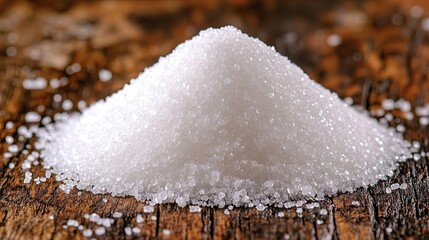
384, 53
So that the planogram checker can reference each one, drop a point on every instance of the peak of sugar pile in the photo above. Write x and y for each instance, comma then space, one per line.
223, 120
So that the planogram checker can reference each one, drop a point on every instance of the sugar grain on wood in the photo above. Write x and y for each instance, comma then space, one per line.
223, 120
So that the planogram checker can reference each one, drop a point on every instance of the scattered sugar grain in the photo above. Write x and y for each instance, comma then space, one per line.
153, 218
403, 105
104, 75
400, 128
64, 81
9, 125
117, 215
32, 117
12, 38
9, 139
139, 218
106, 222
57, 98
416, 157
323, 211
88, 233
425, 24
355, 203
388, 117
7, 155
424, 121
74, 68
136, 230
104, 200
100, 231
379, 112
11, 51
388, 104
193, 209
281, 214
234, 120
422, 110
94, 217
11, 165
26, 165
260, 207
40, 108
409, 116
51, 217
226, 211
81, 105
54, 83
128, 231
394, 186
72, 223
46, 120
389, 230
416, 11
13, 148
166, 232
67, 105
388, 190
34, 84
334, 40
148, 209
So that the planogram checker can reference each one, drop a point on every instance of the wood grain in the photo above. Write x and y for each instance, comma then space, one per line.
383, 53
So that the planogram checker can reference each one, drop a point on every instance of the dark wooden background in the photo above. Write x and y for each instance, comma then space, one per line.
383, 53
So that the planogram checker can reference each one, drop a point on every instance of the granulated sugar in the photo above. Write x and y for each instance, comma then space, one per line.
223, 120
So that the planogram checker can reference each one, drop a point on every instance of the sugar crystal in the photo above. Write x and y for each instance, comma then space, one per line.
128, 231
100, 231
87, 233
32, 117
104, 75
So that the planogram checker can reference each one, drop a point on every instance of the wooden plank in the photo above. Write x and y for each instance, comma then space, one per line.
383, 53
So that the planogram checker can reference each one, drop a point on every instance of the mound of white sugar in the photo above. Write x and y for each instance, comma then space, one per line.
224, 119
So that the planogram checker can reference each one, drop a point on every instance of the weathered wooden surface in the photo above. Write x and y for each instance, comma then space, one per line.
384, 53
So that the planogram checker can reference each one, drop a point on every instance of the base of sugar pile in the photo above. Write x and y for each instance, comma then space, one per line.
223, 120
